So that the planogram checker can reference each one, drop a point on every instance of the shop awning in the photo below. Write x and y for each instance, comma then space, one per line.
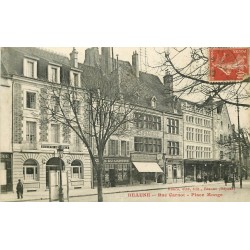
148, 167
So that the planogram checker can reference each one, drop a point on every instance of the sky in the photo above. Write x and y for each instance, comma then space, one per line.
151, 56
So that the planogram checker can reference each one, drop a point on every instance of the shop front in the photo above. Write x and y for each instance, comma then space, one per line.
145, 169
6, 172
195, 170
174, 170
116, 172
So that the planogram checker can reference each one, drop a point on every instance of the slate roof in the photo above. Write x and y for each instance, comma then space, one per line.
147, 86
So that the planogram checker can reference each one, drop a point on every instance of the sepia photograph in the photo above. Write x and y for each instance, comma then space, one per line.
125, 124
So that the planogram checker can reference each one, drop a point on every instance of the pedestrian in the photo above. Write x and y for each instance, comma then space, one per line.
19, 189
226, 179
233, 181
205, 177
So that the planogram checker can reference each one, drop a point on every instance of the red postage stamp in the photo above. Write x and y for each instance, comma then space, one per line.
228, 64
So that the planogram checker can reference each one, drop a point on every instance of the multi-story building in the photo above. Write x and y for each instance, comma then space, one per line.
197, 140
224, 145
6, 180
34, 138
208, 145
151, 148
167, 140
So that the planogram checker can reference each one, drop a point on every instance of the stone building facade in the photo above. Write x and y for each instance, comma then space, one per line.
35, 138
169, 139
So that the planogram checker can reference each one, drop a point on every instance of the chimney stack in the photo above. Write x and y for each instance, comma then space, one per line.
74, 58
106, 60
92, 57
168, 83
135, 64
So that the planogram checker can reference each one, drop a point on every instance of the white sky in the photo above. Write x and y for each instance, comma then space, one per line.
154, 59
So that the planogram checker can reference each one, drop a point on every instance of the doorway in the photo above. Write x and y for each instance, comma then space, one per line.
53, 164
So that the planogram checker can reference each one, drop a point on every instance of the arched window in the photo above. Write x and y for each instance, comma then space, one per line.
30, 170
77, 169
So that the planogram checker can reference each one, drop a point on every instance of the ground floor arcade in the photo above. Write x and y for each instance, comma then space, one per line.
33, 169
196, 170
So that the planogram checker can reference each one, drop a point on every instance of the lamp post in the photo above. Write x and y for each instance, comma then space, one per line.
164, 167
239, 142
60, 154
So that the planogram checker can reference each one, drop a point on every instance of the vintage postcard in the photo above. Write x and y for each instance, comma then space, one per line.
124, 124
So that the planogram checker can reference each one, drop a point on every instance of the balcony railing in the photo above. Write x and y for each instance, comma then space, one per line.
76, 148
29, 145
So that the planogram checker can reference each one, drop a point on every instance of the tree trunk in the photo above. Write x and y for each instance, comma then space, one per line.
99, 183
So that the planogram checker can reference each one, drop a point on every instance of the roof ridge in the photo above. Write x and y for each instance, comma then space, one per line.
52, 51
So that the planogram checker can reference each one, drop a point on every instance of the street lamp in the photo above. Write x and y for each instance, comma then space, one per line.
60, 154
239, 142
164, 167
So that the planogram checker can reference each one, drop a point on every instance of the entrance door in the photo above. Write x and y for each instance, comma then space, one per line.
53, 164
112, 177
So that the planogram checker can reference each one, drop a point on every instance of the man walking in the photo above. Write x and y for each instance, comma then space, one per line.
19, 189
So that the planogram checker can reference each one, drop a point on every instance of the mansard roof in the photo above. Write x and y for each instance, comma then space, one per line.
12, 59
146, 86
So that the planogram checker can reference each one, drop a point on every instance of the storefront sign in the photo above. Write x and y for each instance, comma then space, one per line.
144, 157
5, 156
115, 160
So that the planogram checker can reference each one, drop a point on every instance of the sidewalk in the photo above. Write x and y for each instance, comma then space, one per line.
44, 196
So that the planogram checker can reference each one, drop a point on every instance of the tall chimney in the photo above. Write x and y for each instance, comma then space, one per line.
168, 83
135, 64
74, 58
106, 60
92, 57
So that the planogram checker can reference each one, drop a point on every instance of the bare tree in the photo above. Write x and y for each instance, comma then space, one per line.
190, 70
95, 111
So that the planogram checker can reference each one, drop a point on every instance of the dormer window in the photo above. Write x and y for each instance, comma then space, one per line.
75, 78
153, 102
54, 73
30, 67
